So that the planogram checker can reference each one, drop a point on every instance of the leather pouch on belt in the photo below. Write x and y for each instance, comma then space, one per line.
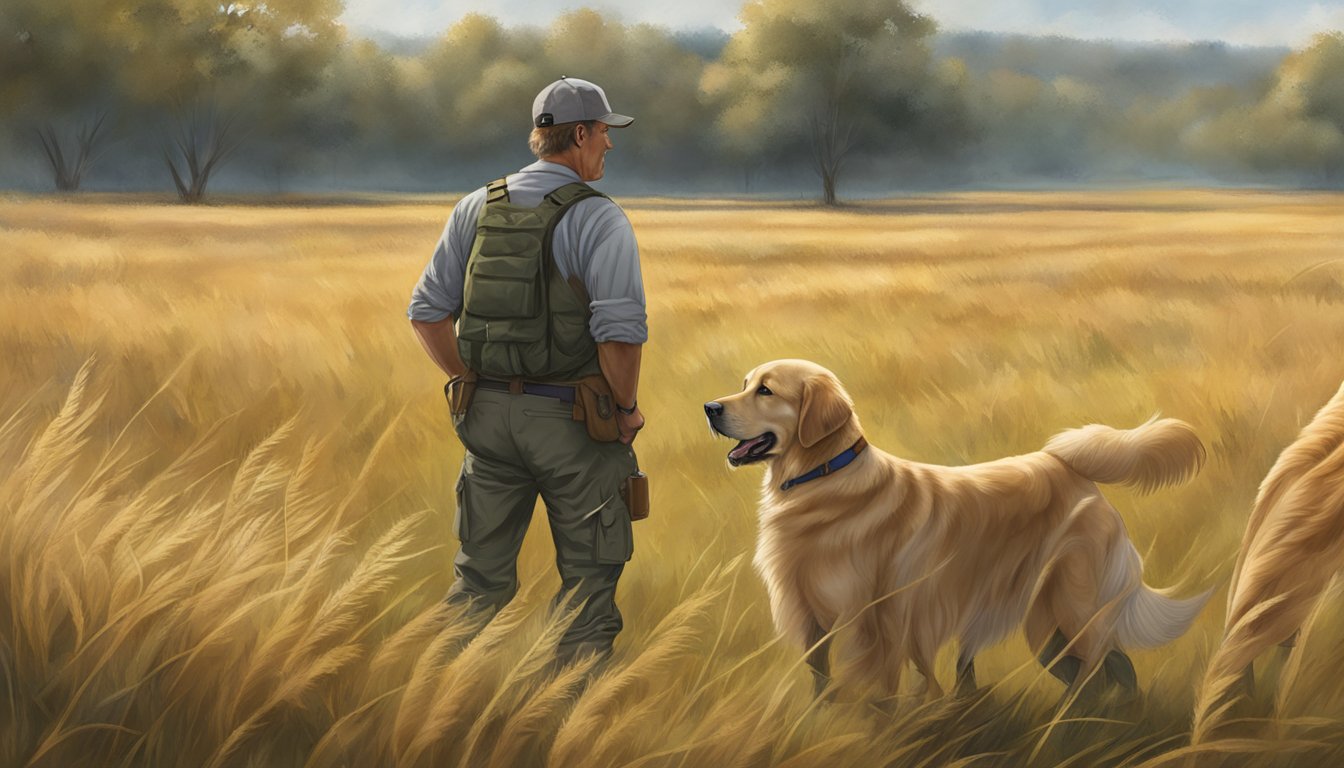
459, 390
596, 407
635, 492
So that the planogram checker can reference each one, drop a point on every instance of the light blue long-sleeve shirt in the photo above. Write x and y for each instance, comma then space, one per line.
593, 239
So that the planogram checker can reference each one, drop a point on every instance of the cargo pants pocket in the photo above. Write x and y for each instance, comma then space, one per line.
614, 542
460, 517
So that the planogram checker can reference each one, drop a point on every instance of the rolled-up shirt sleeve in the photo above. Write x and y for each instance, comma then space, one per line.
439, 292
612, 276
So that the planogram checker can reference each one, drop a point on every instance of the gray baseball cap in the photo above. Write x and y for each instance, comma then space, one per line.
571, 100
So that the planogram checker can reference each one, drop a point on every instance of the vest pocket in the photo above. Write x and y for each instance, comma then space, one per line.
570, 336
504, 277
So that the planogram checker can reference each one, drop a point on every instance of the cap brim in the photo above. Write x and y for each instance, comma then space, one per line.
616, 121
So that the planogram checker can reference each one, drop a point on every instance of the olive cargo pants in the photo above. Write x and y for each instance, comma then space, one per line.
519, 446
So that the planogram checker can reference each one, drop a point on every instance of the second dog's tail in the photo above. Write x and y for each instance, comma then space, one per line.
1160, 452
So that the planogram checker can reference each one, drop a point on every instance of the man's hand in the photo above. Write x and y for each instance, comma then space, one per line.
440, 343
630, 424
620, 367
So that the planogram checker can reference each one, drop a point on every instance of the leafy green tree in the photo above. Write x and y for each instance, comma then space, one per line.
825, 79
483, 78
365, 117
1296, 125
1310, 86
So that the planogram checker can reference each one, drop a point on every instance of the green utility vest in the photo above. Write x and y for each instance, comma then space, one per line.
519, 318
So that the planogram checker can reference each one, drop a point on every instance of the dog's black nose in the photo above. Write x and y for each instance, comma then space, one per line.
713, 409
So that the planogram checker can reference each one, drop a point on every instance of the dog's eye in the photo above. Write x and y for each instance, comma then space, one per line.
763, 390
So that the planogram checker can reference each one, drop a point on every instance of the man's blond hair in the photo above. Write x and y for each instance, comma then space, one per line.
554, 139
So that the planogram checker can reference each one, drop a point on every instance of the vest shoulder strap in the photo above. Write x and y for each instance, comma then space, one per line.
572, 193
497, 191
564, 198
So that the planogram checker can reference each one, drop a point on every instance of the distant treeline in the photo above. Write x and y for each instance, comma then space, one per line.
845, 98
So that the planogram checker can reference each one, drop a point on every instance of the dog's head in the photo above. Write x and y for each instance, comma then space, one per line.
784, 405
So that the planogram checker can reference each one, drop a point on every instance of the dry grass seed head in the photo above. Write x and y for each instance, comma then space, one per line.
463, 684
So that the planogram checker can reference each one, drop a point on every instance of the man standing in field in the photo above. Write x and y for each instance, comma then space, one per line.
533, 300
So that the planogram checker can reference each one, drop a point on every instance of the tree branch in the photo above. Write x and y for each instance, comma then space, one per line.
177, 178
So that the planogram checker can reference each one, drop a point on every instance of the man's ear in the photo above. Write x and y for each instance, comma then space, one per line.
825, 409
580, 134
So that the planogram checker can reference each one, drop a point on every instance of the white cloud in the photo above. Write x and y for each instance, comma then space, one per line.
1086, 20
1292, 29
682, 14
432, 17
1144, 26
1013, 16
1287, 22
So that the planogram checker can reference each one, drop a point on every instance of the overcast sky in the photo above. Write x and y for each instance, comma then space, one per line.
1242, 22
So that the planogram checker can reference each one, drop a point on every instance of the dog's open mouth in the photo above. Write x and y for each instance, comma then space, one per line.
751, 450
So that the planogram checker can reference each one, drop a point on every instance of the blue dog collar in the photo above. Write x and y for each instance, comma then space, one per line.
839, 462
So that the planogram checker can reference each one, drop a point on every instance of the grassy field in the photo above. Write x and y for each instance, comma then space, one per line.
226, 505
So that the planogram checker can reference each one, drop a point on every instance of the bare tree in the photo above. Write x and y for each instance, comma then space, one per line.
223, 69
57, 80
203, 142
69, 171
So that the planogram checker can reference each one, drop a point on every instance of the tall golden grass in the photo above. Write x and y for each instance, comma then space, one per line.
226, 507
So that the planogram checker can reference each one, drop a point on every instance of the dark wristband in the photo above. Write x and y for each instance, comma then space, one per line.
628, 411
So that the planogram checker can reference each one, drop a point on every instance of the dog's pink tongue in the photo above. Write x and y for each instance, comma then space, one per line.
744, 447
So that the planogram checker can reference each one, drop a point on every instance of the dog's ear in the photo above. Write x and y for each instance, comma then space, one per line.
825, 408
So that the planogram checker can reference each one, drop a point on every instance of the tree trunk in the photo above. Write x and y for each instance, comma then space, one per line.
830, 142
828, 186
832, 130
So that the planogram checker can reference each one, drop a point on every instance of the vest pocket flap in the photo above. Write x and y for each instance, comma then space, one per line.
502, 298
512, 266
611, 511
521, 244
599, 408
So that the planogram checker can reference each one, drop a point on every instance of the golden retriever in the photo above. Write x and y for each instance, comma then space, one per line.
1293, 547
896, 558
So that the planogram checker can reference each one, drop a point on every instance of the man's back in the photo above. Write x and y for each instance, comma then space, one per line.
594, 240
521, 436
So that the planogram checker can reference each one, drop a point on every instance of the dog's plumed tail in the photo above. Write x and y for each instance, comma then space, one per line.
1160, 452
1151, 618
1145, 617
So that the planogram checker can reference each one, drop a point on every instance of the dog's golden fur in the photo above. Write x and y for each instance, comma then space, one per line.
1292, 548
909, 556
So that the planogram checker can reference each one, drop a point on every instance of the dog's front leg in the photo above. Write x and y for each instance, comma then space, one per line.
819, 657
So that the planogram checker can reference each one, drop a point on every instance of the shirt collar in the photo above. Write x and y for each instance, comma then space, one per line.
546, 166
